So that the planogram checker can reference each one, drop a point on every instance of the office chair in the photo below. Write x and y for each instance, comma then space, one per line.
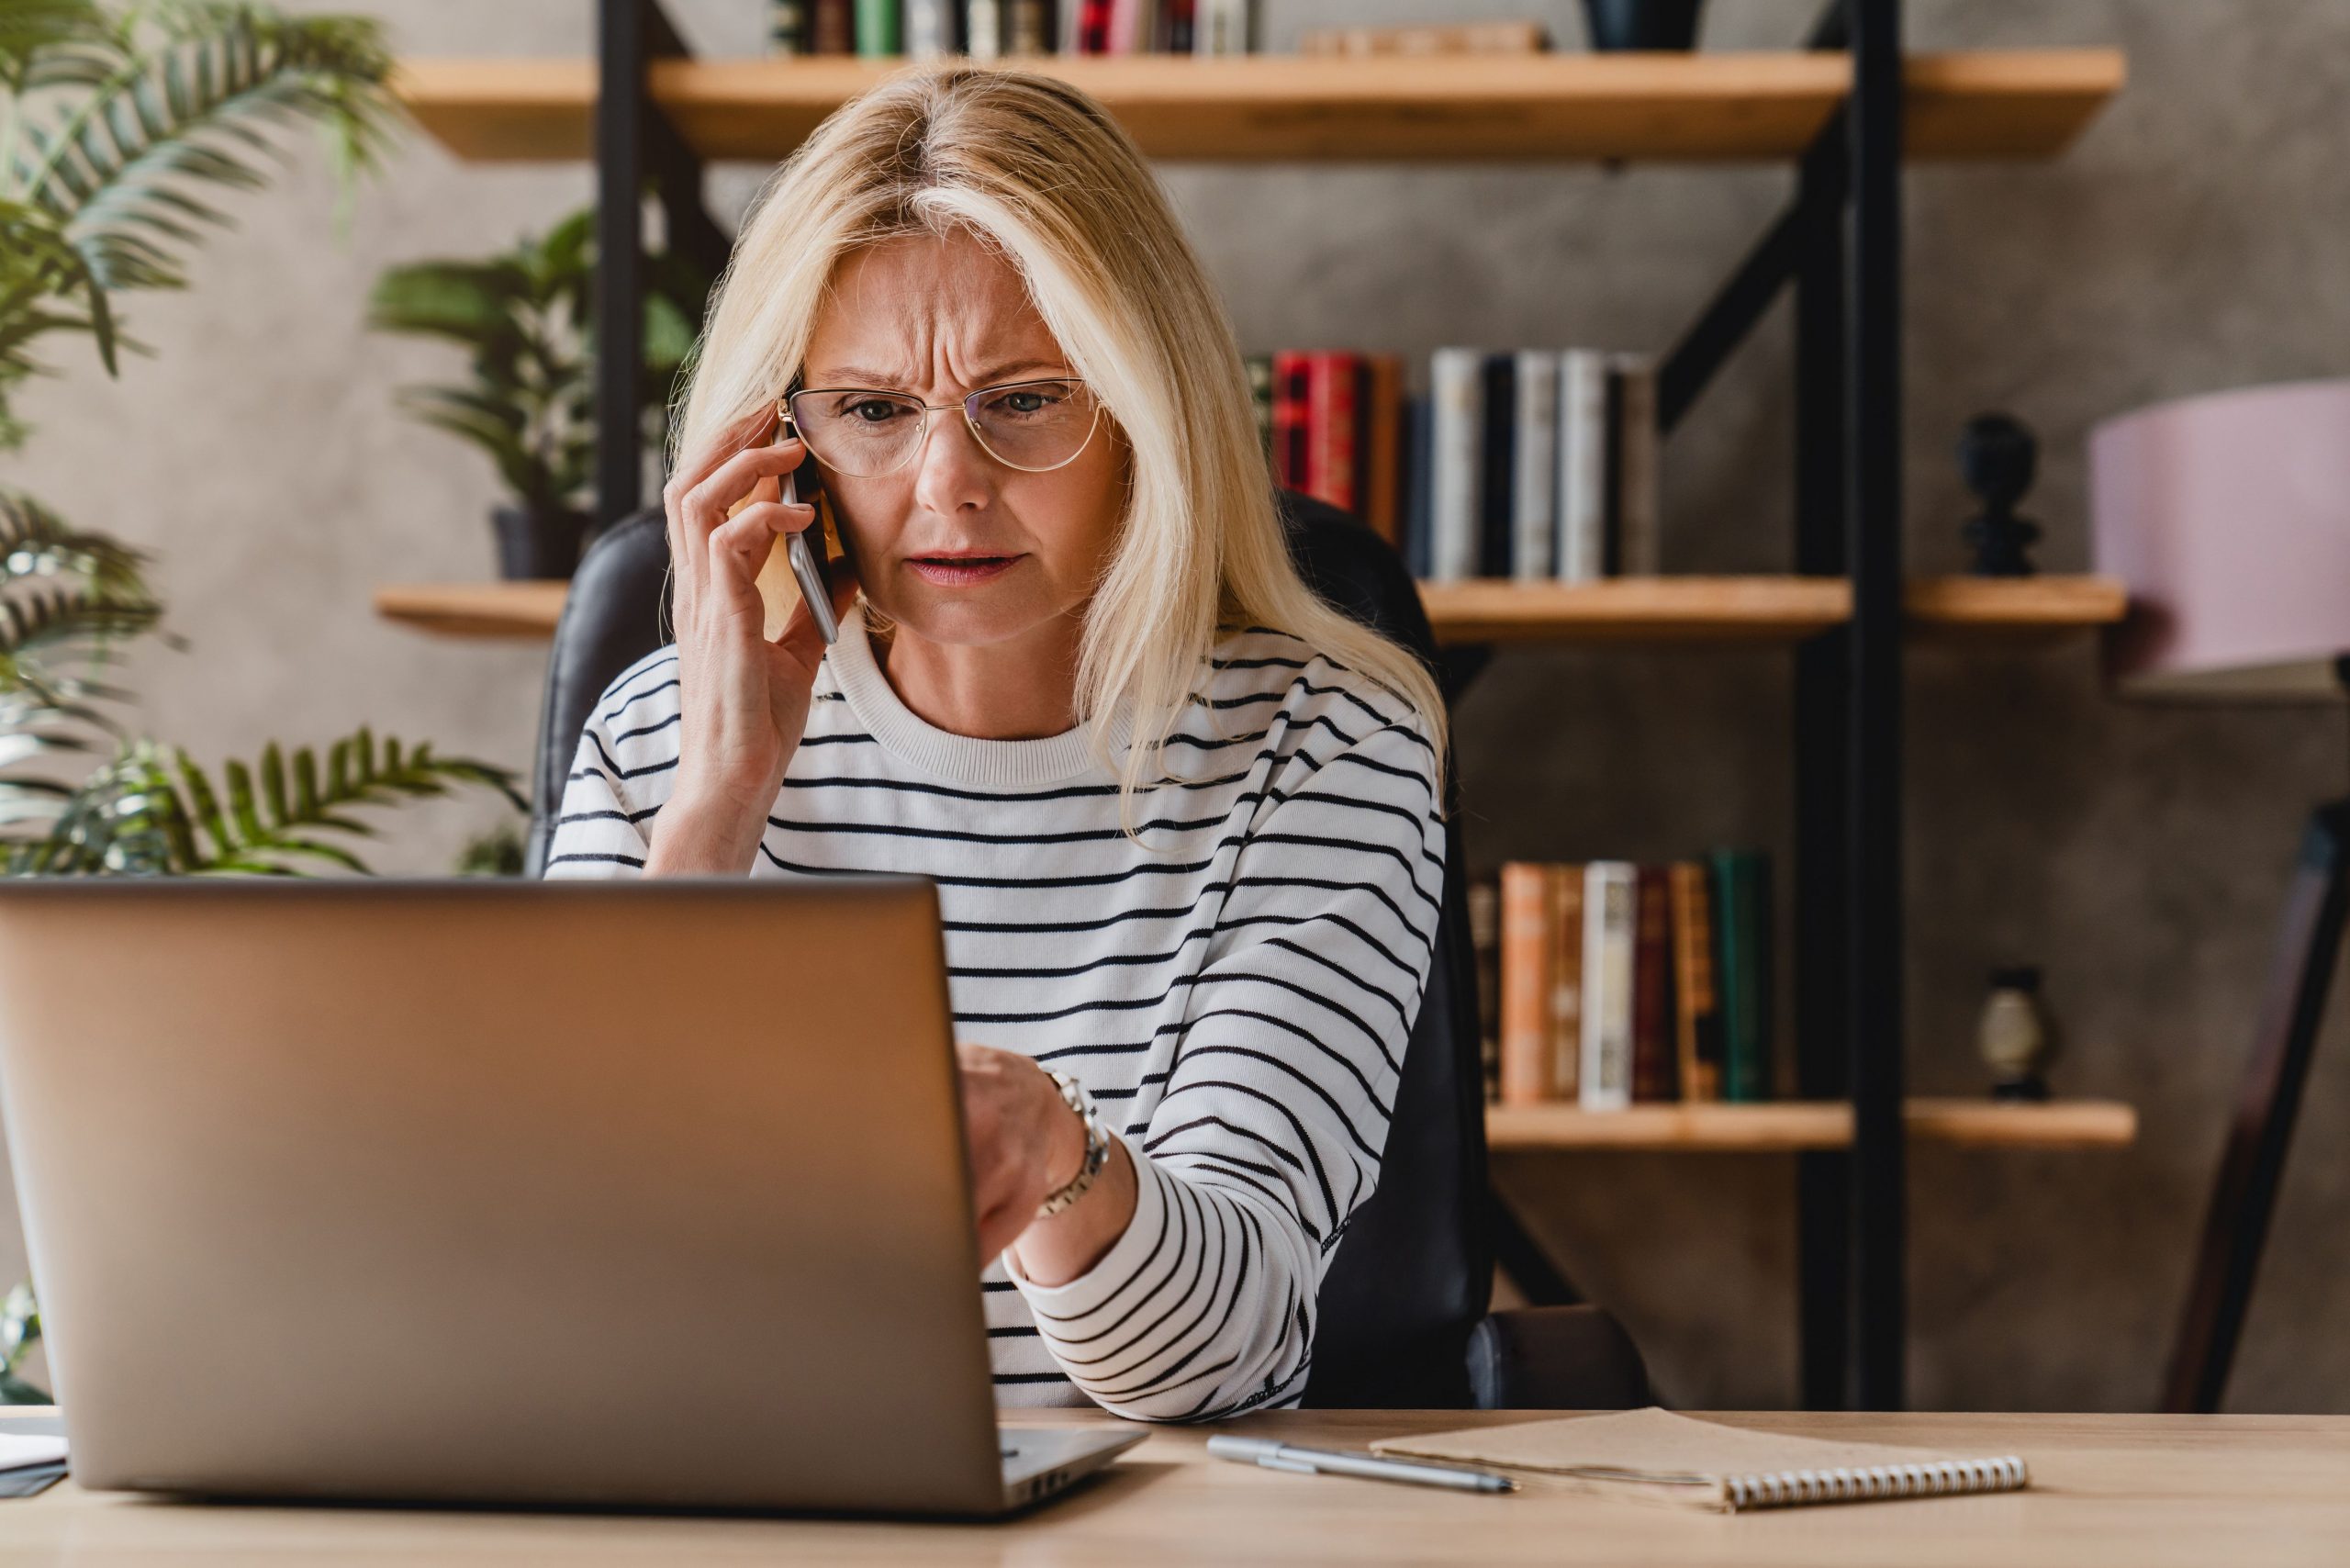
1403, 1320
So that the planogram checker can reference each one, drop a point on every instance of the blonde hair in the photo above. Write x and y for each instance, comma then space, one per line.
1039, 171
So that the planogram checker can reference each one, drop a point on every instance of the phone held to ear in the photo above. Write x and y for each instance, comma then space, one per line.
808, 556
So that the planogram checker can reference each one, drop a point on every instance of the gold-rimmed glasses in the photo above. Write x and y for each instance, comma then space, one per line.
864, 432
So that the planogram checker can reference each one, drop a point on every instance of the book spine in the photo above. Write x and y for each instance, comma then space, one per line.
1697, 1012
1129, 31
1224, 26
833, 27
1499, 460
1092, 27
1330, 428
1609, 936
1526, 984
983, 29
1028, 27
787, 33
1637, 501
1382, 444
930, 28
1483, 897
1566, 980
1419, 486
1454, 376
877, 33
1261, 402
1535, 484
1611, 532
1653, 1057
1289, 418
1182, 17
1742, 901
1583, 465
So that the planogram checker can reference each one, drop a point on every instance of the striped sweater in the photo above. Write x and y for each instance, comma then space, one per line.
1235, 990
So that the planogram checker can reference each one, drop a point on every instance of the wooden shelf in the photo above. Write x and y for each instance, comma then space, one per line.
1792, 1125
1619, 610
1730, 107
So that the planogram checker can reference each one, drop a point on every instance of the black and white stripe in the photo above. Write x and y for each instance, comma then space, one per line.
1235, 988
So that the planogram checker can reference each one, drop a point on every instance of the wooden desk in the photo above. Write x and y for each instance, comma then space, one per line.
2142, 1490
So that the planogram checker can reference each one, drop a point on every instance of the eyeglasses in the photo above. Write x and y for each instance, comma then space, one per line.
1034, 426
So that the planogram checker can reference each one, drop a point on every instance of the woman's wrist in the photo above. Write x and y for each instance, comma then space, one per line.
699, 833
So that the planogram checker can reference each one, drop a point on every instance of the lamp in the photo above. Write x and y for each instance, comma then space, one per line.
2228, 518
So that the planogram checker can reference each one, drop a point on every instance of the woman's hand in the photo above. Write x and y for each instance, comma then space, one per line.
1026, 1143
743, 700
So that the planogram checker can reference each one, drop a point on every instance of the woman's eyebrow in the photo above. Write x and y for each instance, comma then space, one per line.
869, 377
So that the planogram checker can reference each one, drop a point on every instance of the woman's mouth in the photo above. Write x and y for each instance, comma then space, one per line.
962, 568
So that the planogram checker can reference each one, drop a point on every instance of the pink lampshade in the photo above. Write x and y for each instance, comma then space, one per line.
2227, 516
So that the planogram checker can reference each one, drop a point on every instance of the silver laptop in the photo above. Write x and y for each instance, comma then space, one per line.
569, 1193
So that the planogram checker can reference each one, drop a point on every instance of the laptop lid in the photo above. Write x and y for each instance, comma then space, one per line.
613, 1192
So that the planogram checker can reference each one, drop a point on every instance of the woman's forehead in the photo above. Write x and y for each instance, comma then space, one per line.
894, 308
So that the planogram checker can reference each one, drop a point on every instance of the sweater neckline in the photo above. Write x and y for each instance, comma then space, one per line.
967, 759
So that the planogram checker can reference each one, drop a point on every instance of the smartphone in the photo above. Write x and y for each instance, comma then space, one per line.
806, 552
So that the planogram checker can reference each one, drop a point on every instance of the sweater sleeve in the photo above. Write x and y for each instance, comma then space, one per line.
1275, 1112
601, 823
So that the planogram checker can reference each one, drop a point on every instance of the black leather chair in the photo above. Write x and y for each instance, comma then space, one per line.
1403, 1320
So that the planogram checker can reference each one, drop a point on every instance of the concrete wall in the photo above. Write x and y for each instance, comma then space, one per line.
2138, 854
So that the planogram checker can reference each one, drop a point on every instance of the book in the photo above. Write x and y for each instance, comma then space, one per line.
1485, 902
1742, 896
1177, 22
1029, 25
1566, 980
1655, 1061
1654, 1456
932, 27
1581, 554
1092, 27
1456, 444
1132, 26
1534, 485
1420, 485
788, 28
1526, 978
1609, 934
877, 33
1224, 26
983, 29
831, 27
1260, 400
1330, 421
1497, 462
1436, 37
1697, 1033
1637, 521
1289, 418
1381, 445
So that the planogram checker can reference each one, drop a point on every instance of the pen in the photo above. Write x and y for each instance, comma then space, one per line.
1370, 1466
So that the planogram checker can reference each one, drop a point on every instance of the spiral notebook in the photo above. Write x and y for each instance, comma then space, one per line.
1654, 1456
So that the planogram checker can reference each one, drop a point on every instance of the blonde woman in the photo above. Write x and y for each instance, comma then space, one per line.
1181, 816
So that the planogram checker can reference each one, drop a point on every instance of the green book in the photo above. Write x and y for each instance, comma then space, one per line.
1742, 898
876, 28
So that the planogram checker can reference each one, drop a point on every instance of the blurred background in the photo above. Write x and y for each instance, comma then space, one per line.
2193, 241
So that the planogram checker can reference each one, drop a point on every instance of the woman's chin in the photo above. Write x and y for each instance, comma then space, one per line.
970, 617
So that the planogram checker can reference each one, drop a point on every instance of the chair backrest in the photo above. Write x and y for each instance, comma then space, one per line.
1414, 1274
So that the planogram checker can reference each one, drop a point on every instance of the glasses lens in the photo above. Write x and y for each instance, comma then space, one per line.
858, 433
1035, 424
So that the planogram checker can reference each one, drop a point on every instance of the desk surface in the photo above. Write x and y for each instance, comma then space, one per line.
2146, 1490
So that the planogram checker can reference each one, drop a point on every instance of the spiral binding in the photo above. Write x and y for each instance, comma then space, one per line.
1952, 1478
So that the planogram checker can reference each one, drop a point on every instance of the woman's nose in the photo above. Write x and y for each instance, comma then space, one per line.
952, 469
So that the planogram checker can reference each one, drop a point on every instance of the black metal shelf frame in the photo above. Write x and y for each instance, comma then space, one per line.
1837, 247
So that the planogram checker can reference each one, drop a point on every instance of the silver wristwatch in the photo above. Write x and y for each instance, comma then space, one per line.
1097, 1147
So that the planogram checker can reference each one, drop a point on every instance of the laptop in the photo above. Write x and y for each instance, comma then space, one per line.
638, 1194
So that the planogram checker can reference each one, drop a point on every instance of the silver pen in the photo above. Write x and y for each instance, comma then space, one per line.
1370, 1466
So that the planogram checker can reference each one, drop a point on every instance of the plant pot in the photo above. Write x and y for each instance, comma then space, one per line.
1642, 23
533, 542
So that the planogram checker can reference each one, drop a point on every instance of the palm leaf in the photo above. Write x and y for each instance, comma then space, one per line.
37, 543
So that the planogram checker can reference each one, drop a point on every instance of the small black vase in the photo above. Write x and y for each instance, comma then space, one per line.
1643, 24
533, 543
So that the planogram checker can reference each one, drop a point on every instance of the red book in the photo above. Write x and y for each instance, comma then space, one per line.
1289, 418
1092, 25
1655, 1044
835, 28
1330, 421
1381, 445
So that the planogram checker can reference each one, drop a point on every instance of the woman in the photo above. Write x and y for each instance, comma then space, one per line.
1181, 816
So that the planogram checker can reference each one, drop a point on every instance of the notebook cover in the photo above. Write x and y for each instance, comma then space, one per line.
1654, 1456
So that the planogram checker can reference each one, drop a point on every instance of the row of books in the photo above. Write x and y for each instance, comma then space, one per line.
992, 29
1536, 464
1622, 983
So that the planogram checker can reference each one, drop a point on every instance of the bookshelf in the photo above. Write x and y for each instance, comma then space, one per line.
1847, 112
1742, 106
1661, 609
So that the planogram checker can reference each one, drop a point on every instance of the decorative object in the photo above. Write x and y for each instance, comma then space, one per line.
2227, 516
1642, 23
1998, 457
2016, 1037
19, 1332
526, 318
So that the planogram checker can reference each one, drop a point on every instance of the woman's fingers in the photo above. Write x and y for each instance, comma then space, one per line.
689, 515
708, 503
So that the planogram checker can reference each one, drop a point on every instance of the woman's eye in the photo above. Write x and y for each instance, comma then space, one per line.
1023, 402
874, 410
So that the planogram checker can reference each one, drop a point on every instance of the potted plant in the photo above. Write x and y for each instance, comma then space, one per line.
115, 127
1642, 23
525, 316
